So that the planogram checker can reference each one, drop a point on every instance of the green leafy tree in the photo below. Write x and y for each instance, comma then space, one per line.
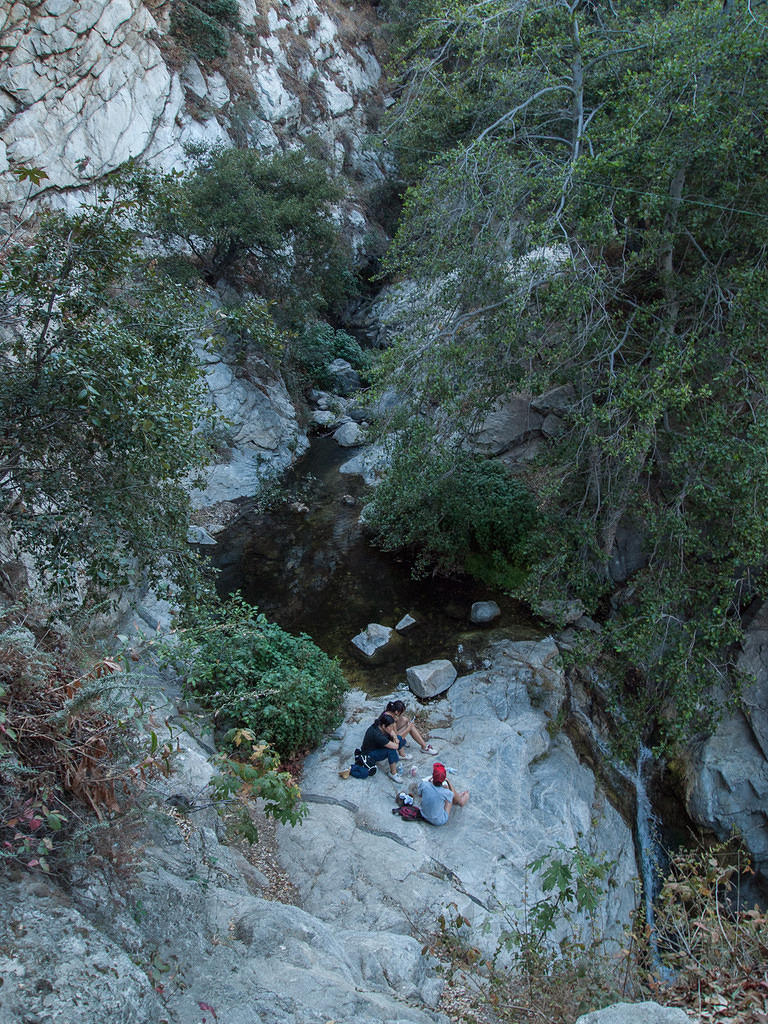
261, 222
101, 410
318, 344
454, 510
587, 209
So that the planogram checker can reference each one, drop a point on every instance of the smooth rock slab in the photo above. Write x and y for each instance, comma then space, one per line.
430, 679
636, 1013
528, 793
58, 968
484, 611
405, 623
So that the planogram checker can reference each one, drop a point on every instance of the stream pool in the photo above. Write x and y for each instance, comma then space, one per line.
306, 563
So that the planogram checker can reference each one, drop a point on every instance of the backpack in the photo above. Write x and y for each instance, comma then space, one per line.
362, 768
408, 812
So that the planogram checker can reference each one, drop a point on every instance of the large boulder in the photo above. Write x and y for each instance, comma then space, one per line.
371, 463
727, 784
510, 422
483, 612
349, 435
636, 1013
430, 679
344, 377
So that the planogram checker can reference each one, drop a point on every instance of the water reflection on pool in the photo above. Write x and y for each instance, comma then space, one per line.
308, 566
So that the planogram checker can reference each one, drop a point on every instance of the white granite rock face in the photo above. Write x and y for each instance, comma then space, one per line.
352, 861
727, 774
263, 433
87, 84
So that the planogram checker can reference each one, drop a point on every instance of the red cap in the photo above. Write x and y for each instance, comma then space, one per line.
438, 773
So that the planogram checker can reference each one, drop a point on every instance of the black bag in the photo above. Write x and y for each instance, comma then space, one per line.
363, 767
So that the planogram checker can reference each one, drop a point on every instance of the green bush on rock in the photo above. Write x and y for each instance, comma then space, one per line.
261, 223
199, 25
319, 344
252, 674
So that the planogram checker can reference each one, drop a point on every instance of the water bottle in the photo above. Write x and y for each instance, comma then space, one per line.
451, 771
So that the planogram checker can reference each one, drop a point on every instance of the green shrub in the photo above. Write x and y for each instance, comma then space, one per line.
198, 30
455, 510
252, 674
319, 344
222, 10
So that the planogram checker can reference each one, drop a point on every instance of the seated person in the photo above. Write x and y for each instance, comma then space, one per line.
405, 726
438, 796
380, 741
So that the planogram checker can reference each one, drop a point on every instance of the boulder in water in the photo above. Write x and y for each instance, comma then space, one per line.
374, 643
484, 611
349, 435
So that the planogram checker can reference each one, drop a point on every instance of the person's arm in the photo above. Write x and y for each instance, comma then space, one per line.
385, 736
391, 731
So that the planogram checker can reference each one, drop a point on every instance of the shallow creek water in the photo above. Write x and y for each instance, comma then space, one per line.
307, 565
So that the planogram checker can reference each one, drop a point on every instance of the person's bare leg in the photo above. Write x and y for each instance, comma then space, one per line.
411, 730
459, 799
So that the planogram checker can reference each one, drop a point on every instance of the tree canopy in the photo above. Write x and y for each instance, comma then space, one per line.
261, 223
102, 415
587, 189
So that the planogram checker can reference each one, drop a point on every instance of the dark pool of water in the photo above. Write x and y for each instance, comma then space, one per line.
308, 566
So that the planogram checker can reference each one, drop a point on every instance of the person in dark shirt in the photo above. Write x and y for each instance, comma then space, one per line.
381, 741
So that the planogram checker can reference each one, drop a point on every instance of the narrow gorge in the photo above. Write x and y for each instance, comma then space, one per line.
307, 372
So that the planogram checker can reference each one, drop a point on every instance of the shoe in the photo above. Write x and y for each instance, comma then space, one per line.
398, 778
404, 757
429, 749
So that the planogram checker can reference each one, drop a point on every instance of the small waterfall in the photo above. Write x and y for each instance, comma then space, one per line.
647, 854
629, 787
